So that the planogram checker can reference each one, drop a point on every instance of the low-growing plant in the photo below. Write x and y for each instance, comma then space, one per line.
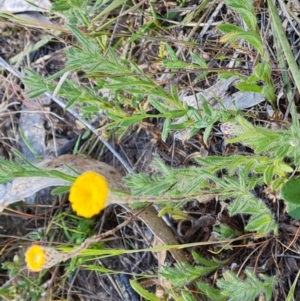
130, 88
20, 286
132, 96
260, 81
231, 287
249, 289
198, 182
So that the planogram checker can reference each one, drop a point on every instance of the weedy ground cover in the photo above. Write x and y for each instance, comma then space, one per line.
225, 176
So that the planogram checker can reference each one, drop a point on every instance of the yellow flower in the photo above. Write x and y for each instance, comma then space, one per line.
39, 258
89, 194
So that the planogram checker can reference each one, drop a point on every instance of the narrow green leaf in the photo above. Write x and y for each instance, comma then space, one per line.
29, 146
236, 206
250, 37
198, 60
269, 92
212, 293
238, 4
113, 5
226, 75
249, 18
282, 151
172, 53
290, 296
247, 15
97, 268
128, 121
176, 65
252, 79
268, 173
228, 28
178, 127
248, 87
80, 37
243, 179
207, 133
248, 167
60, 190
263, 71
261, 223
156, 190
203, 261
187, 296
70, 103
286, 47
165, 131
142, 292
208, 110
277, 183
157, 105
90, 109
178, 274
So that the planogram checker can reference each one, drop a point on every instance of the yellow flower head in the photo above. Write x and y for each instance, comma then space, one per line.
39, 258
89, 194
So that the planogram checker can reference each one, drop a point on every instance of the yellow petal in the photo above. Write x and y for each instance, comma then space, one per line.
39, 258
88, 194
